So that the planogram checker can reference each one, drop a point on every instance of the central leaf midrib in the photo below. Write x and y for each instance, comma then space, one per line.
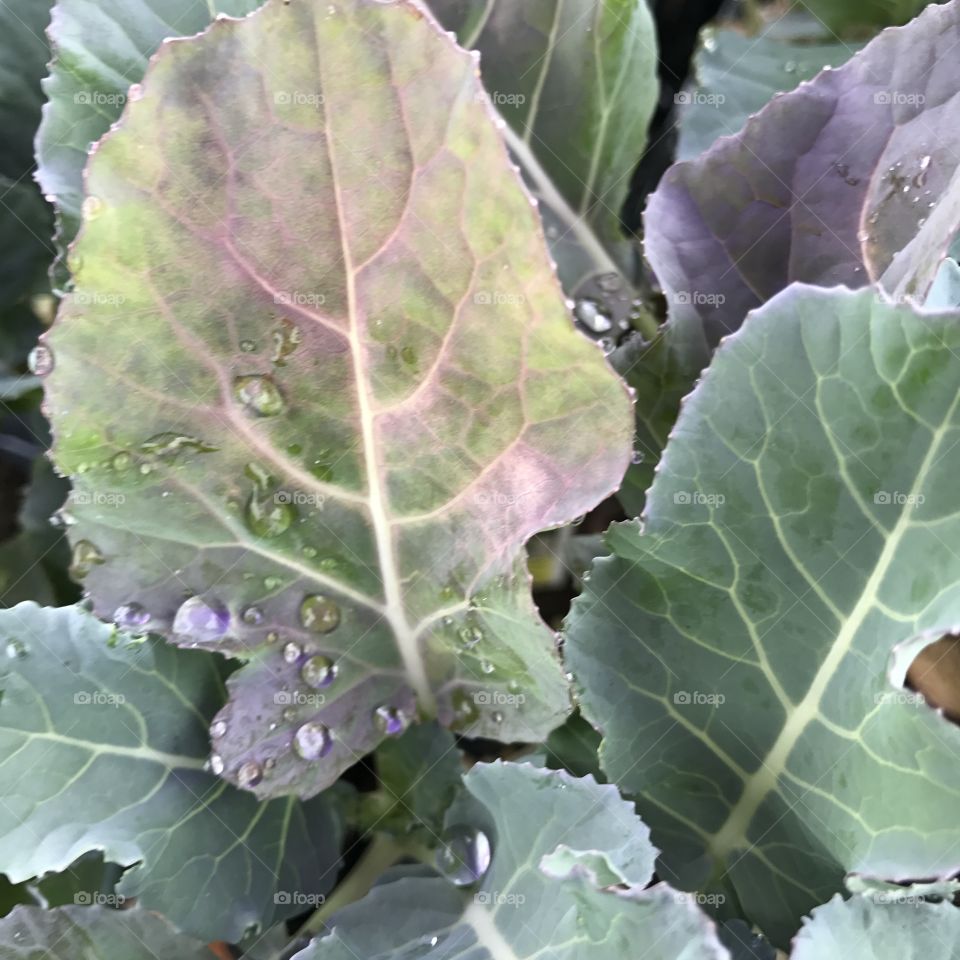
733, 833
405, 637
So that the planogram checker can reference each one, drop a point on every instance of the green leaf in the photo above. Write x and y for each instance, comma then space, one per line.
104, 746
30, 933
883, 931
744, 649
100, 49
577, 84
737, 75
945, 292
338, 418
25, 222
856, 16
569, 866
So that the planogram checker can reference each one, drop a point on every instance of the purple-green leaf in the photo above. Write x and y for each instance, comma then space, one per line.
849, 179
317, 385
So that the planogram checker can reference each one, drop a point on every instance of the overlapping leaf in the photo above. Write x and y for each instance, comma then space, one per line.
569, 867
30, 933
338, 388
744, 649
101, 49
850, 179
103, 748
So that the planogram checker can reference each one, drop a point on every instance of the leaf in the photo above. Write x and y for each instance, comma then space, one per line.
945, 292
850, 16
737, 75
744, 649
574, 747
103, 748
577, 83
338, 419
100, 49
30, 933
861, 927
24, 217
849, 179
556, 842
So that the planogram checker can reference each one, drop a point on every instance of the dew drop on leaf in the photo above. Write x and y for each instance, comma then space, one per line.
390, 720
312, 741
319, 614
292, 652
84, 558
286, 339
92, 207
121, 461
249, 774
40, 360
465, 856
269, 516
590, 314
216, 763
318, 671
465, 710
218, 728
16, 649
259, 395
248, 346
252, 616
201, 621
130, 616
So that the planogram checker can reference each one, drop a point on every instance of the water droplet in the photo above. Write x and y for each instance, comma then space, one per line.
409, 356
166, 446
40, 360
921, 221
272, 583
607, 345
248, 346
201, 621
309, 552
273, 636
218, 728
487, 667
312, 741
637, 457
590, 314
319, 671
269, 516
253, 616
470, 636
465, 710
249, 774
292, 652
92, 207
16, 649
497, 717
289, 715
131, 616
286, 339
319, 614
390, 720
863, 236
789, 67
270, 762
216, 764
259, 395
135, 92
121, 461
84, 558
465, 856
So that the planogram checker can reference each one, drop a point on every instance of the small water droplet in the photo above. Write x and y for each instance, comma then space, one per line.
135, 92
312, 741
465, 710
249, 774
248, 346
40, 360
121, 461
487, 667
273, 636
637, 457
319, 614
590, 314
167, 446
16, 649
201, 621
216, 763
272, 583
465, 856
253, 616
84, 558
289, 715
390, 720
470, 636
292, 652
131, 616
259, 395
790, 67
309, 552
319, 671
863, 236
218, 728
270, 762
497, 716
91, 208
269, 516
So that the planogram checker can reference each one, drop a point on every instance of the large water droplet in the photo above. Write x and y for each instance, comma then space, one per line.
40, 360
84, 558
269, 516
391, 721
319, 614
258, 394
319, 671
218, 728
201, 621
131, 616
312, 741
249, 774
252, 616
465, 856
590, 314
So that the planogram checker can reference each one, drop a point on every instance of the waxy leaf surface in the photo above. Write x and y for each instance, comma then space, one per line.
338, 387
566, 880
103, 747
744, 649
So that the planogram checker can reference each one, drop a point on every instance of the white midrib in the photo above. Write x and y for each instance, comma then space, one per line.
488, 936
394, 612
733, 834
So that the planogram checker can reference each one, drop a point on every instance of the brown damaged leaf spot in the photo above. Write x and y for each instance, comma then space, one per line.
311, 256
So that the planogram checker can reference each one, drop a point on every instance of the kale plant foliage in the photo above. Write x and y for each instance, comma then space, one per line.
407, 555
